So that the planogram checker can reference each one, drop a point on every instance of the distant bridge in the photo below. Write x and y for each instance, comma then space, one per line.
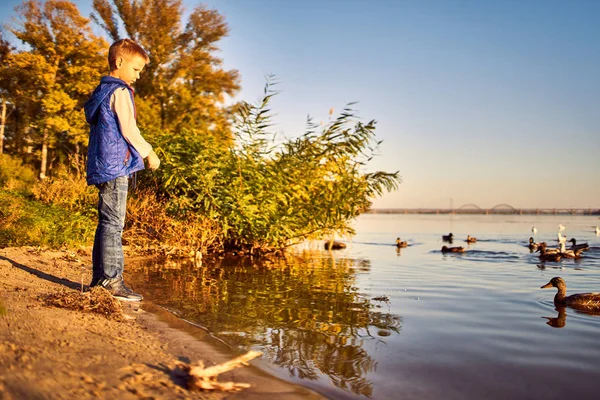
497, 209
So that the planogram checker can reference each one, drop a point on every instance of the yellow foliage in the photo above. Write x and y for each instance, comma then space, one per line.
56, 101
14, 175
50, 76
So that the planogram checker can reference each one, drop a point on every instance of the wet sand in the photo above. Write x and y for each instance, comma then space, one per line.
55, 353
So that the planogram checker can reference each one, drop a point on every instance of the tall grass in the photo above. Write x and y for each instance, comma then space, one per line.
27, 222
151, 227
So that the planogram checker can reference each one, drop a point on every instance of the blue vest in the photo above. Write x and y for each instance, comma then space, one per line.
109, 154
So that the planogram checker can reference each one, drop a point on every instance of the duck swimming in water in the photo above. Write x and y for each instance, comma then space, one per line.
545, 256
588, 301
575, 246
400, 244
533, 246
569, 253
471, 239
459, 249
546, 249
334, 245
448, 238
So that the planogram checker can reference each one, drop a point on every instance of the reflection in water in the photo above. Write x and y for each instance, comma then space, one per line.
560, 320
305, 313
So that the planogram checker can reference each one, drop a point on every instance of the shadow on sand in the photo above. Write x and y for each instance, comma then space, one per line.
51, 278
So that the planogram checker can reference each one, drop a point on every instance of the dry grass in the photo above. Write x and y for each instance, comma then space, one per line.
150, 227
70, 192
98, 300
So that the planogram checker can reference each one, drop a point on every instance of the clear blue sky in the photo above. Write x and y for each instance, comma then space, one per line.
481, 102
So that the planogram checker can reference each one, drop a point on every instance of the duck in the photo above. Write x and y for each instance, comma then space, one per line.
575, 246
334, 245
569, 253
533, 246
546, 249
589, 301
459, 249
400, 244
561, 227
448, 238
471, 239
545, 256
534, 230
597, 231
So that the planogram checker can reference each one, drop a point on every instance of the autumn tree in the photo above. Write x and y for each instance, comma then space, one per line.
51, 78
5, 50
184, 85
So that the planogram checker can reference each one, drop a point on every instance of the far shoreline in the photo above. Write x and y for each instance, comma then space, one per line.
501, 209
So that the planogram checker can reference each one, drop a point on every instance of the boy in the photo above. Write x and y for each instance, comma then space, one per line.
116, 150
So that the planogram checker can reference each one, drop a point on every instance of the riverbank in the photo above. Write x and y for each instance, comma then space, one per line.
55, 353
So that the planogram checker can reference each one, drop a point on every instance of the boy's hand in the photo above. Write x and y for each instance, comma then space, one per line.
153, 161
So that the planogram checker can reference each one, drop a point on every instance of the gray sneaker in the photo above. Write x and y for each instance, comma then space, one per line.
118, 290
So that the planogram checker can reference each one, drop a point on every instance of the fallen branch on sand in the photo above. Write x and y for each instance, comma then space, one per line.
199, 378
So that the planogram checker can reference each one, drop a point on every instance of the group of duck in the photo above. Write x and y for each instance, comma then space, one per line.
584, 301
546, 254
575, 251
445, 249
456, 249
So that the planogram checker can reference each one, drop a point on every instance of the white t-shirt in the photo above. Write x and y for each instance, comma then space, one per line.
122, 105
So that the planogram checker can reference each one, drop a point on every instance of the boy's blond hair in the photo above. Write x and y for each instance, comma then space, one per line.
122, 48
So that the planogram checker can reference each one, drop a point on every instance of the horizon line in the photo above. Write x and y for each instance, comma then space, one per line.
498, 209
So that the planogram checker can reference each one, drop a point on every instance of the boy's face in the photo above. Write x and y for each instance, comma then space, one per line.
129, 68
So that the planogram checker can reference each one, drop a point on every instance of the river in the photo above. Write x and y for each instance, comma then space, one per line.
374, 322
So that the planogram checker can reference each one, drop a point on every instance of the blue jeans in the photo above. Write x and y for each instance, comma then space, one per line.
107, 255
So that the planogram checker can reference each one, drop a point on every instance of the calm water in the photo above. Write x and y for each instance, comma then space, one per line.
369, 322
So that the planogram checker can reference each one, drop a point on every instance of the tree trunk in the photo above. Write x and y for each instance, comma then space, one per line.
44, 154
2, 123
77, 158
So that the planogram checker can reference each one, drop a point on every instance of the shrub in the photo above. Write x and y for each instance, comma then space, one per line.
266, 195
14, 175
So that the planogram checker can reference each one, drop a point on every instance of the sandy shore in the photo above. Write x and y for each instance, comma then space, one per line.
55, 353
